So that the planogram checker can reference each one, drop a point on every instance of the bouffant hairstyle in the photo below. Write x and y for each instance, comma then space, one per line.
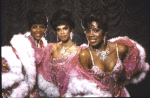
35, 16
98, 15
62, 17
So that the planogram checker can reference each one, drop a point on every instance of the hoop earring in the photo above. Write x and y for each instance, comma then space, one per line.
71, 35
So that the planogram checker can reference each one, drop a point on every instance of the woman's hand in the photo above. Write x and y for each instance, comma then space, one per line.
63, 95
5, 66
7, 92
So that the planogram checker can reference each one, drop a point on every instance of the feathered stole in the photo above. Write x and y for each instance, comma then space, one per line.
26, 54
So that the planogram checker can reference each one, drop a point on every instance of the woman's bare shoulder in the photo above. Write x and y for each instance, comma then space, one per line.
55, 46
122, 48
84, 53
84, 58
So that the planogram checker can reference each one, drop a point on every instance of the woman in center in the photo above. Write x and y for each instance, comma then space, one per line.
60, 73
60, 59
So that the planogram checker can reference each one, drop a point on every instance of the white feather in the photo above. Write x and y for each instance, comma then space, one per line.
26, 55
144, 66
21, 91
77, 86
48, 88
15, 73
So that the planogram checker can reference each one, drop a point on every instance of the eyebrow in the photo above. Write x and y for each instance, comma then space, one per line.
65, 27
93, 28
39, 24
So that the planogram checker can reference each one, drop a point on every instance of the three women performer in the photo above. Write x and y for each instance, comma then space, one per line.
106, 65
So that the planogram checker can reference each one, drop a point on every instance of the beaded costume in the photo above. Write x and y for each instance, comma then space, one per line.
57, 76
64, 75
113, 80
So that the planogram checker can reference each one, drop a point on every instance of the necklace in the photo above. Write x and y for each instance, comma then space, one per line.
103, 54
63, 52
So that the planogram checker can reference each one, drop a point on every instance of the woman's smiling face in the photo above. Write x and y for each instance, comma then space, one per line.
37, 31
94, 34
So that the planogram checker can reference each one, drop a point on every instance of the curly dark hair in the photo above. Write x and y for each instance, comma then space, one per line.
62, 16
35, 16
98, 15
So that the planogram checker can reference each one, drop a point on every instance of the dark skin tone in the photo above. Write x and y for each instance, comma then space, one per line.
37, 31
95, 38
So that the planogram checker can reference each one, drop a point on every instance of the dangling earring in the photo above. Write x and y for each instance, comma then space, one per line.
46, 28
57, 39
104, 39
71, 35
88, 41
45, 33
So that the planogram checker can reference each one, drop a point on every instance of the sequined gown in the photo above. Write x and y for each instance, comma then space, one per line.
122, 73
64, 75
56, 75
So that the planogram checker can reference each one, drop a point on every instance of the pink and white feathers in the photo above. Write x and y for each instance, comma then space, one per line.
15, 73
26, 59
144, 66
89, 88
26, 56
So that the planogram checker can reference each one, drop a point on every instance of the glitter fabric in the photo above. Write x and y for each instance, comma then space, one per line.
133, 57
34, 93
110, 79
59, 71
115, 80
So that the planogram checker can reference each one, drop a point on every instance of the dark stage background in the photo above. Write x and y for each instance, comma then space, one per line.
127, 18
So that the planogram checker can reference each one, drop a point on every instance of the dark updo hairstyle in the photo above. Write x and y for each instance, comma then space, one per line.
62, 17
36, 16
98, 15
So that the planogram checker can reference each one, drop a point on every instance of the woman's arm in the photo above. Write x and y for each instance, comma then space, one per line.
123, 50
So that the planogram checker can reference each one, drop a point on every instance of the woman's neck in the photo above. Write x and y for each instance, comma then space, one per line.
66, 44
100, 46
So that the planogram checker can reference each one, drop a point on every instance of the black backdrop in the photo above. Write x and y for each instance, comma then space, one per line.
127, 18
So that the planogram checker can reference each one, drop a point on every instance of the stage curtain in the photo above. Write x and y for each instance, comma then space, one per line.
127, 18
